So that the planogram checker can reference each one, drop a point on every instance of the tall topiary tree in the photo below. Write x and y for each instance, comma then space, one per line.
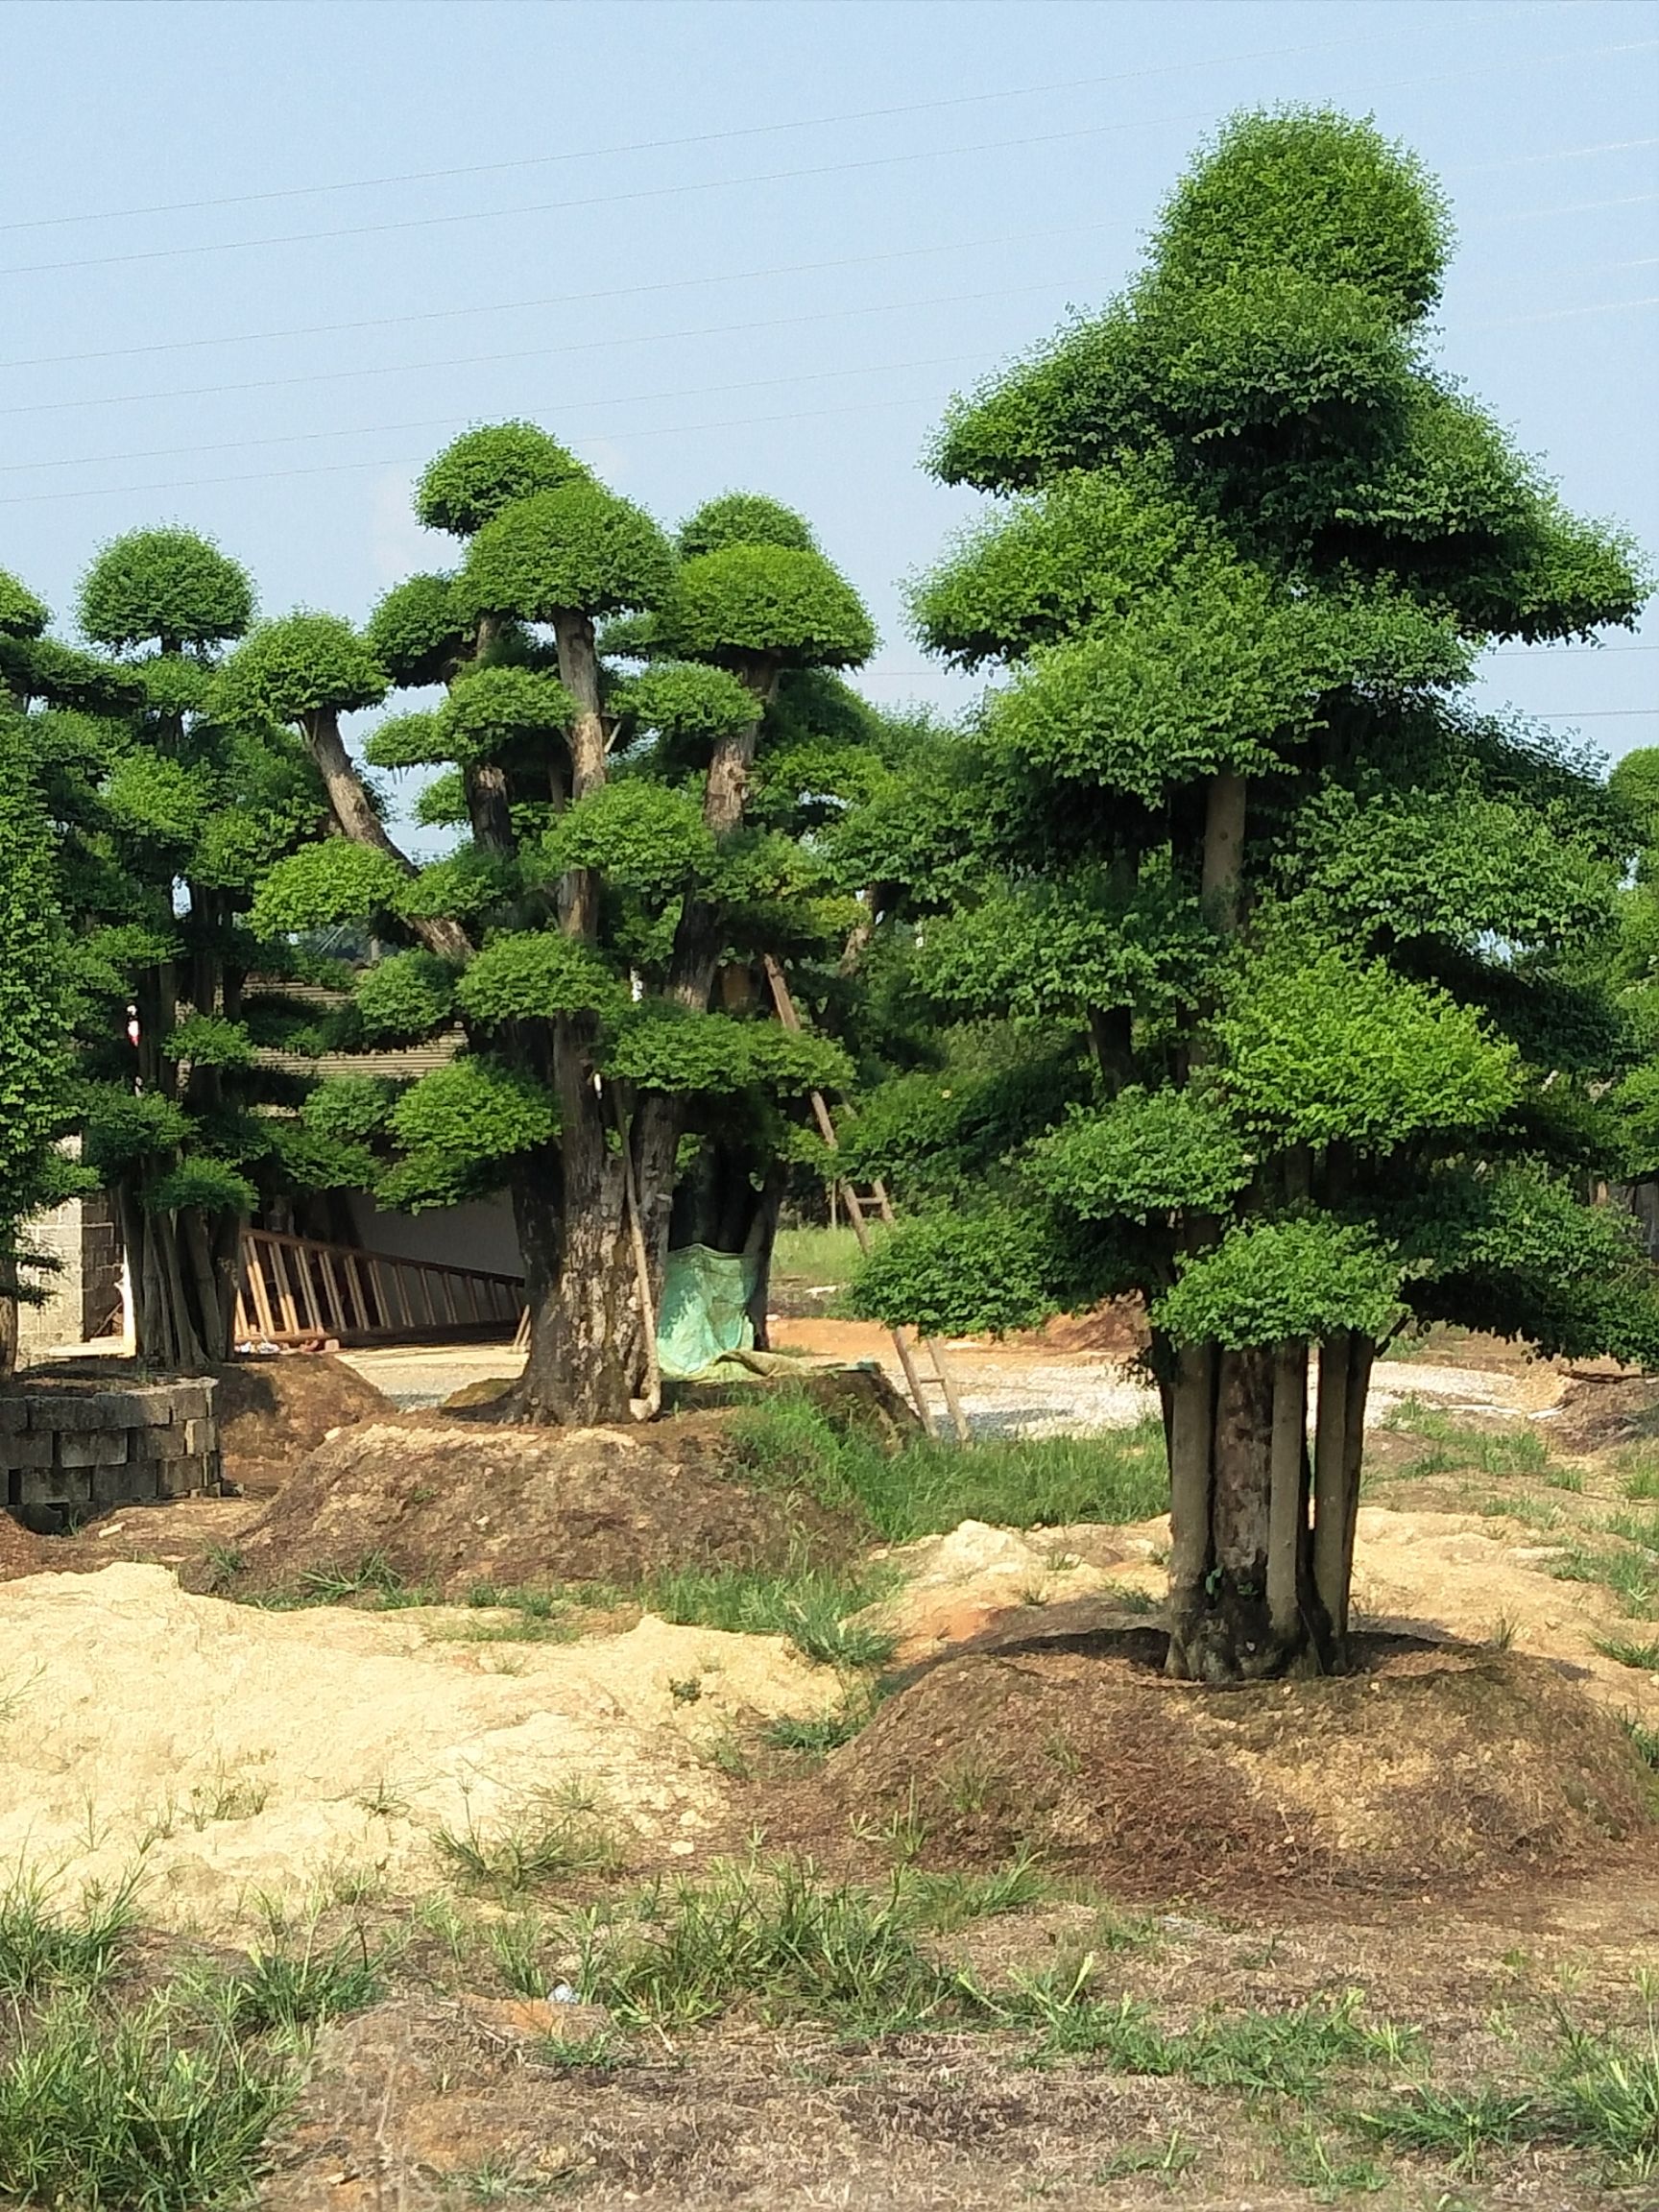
163, 817
1297, 940
603, 702
36, 1067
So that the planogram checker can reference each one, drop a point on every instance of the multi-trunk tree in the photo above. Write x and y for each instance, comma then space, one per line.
1299, 946
163, 819
595, 929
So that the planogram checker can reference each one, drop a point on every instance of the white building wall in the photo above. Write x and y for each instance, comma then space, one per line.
480, 1235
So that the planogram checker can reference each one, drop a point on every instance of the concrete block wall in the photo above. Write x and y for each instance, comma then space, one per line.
80, 1445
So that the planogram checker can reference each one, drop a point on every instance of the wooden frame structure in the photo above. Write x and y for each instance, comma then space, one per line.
300, 1290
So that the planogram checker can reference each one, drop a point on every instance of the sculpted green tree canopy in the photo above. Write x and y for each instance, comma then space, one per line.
1302, 961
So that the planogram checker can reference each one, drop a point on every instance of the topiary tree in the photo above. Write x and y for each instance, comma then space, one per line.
608, 876
35, 1067
1301, 949
163, 817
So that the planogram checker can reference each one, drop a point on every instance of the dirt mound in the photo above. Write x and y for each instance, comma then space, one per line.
1601, 1411
20, 1554
272, 1412
222, 1752
1436, 1767
447, 1504
1115, 1330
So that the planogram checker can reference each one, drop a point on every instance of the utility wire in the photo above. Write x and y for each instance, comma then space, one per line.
770, 177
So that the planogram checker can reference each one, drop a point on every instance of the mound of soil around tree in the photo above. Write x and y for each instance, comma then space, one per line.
20, 1552
1436, 1767
273, 1411
443, 1504
1600, 1412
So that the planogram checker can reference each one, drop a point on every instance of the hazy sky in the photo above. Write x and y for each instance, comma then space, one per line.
259, 261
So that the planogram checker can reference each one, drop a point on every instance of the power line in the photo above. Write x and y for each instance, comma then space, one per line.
771, 177
1534, 653
697, 139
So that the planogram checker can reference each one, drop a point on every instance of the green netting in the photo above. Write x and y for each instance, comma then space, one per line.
705, 1317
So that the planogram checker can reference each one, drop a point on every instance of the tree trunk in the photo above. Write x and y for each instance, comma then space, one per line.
1224, 820
579, 673
9, 1319
582, 1285
1254, 1589
349, 801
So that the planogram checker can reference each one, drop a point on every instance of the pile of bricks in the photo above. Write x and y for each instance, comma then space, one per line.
79, 1446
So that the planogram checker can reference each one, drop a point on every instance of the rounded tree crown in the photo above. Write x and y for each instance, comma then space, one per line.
21, 613
766, 602
484, 470
302, 664
1311, 191
418, 630
173, 586
491, 707
578, 549
744, 518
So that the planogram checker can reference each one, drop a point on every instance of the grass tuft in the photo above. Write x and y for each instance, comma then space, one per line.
42, 1948
560, 1833
289, 1990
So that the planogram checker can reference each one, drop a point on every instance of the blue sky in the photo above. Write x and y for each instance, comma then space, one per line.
257, 261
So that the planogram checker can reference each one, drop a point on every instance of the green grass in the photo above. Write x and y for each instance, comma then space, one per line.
1607, 2098
140, 2109
930, 1486
558, 1833
774, 1941
289, 1990
817, 1255
808, 1605
43, 1947
1454, 1445
1457, 2126
1643, 1656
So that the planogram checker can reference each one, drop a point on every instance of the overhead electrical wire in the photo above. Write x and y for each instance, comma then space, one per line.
771, 177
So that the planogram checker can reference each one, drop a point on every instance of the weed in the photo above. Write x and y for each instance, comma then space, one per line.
828, 1731
1645, 1739
602, 2051
901, 1837
1168, 2159
130, 2113
1502, 1632
771, 1936
1607, 2097
1643, 1656
685, 1690
1569, 1478
944, 1902
382, 1801
1455, 1445
557, 1833
808, 1604
1284, 2054
41, 1948
1643, 1481
726, 1749
970, 1786
1309, 2157
1459, 2128
517, 1947
224, 1564
1128, 1598
279, 1989
373, 1576
227, 1797
1076, 2025
930, 1487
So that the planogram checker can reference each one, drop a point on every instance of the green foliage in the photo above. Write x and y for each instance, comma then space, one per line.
771, 603
327, 883
952, 1274
1634, 783
464, 885
1147, 1153
579, 549
34, 986
742, 518
472, 1110
169, 584
404, 995
484, 471
149, 796
536, 976
21, 613
489, 707
640, 836
442, 804
210, 1041
292, 669
123, 1127
664, 1047
1330, 1047
681, 700
418, 631
174, 684
212, 1185
408, 741
1271, 1281
348, 1109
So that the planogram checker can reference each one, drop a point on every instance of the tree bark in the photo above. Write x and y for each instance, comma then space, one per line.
1288, 1498
1191, 1450
579, 673
1223, 867
349, 800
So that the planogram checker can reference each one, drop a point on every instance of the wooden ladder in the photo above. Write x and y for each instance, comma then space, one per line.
855, 1204
300, 1290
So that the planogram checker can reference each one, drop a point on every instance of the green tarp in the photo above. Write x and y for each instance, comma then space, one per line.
704, 1318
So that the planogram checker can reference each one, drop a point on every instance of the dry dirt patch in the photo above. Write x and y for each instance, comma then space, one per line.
227, 1751
446, 1503
1435, 1768
272, 1411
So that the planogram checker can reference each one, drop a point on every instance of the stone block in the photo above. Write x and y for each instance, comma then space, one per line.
33, 1449
43, 1486
94, 1448
179, 1478
14, 1413
159, 1443
72, 1485
130, 1483
192, 1401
